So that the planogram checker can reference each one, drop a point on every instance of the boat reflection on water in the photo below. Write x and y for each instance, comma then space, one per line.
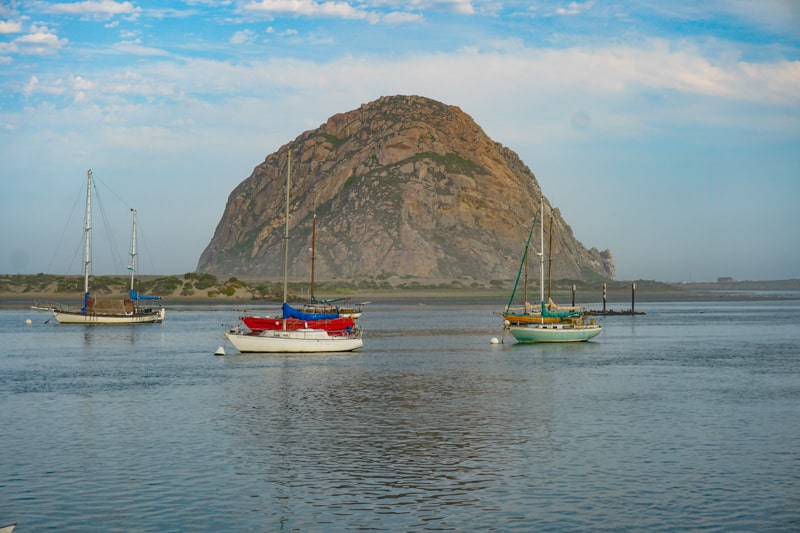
407, 442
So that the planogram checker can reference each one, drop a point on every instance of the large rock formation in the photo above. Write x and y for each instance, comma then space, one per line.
402, 186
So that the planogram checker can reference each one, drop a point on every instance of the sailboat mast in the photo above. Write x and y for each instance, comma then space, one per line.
132, 268
523, 265
541, 250
550, 259
87, 234
525, 282
313, 252
286, 234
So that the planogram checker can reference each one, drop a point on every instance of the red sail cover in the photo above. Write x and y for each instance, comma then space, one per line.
260, 323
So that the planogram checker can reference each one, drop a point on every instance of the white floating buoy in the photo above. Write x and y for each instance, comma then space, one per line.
28, 321
220, 351
494, 340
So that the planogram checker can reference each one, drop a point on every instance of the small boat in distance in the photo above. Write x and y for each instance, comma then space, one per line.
570, 325
284, 339
129, 310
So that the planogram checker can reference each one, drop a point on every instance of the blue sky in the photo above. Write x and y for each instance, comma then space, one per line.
668, 132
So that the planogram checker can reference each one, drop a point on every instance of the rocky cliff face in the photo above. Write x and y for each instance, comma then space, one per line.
402, 186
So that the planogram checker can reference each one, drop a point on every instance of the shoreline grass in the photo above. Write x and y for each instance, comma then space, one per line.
21, 290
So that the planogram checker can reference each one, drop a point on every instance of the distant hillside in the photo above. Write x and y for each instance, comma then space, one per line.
402, 186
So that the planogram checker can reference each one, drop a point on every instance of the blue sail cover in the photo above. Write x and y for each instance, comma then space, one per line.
137, 296
291, 312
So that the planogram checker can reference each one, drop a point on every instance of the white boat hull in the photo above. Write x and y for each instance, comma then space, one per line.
77, 317
294, 341
555, 332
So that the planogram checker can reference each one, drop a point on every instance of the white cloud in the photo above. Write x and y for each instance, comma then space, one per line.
308, 8
40, 41
617, 72
285, 33
56, 87
575, 8
463, 7
101, 9
398, 17
81, 84
243, 37
781, 80
162, 13
9, 26
30, 88
457, 6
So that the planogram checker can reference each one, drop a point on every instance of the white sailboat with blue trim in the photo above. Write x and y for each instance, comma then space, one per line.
136, 309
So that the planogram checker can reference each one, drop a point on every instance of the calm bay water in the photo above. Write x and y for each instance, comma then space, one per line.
687, 418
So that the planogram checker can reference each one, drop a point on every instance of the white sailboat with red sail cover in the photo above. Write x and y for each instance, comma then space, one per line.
322, 317
306, 339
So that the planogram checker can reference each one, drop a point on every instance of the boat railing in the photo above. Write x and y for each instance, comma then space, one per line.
354, 332
45, 306
67, 308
